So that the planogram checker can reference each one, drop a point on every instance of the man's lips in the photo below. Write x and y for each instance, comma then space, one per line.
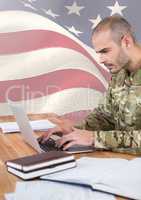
109, 66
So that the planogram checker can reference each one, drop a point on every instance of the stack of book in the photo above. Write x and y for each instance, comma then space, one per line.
30, 167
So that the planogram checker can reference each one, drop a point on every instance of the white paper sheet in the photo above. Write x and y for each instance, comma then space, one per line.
89, 170
117, 176
9, 196
46, 190
9, 127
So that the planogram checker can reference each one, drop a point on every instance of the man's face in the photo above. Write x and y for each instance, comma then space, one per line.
111, 54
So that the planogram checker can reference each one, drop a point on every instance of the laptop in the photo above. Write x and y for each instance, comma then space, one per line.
30, 137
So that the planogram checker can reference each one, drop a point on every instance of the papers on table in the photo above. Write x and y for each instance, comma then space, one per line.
40, 125
110, 175
116, 176
47, 190
10, 196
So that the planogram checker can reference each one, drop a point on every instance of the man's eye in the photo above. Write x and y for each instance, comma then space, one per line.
104, 51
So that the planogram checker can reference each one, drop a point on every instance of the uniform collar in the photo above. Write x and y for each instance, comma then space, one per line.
133, 78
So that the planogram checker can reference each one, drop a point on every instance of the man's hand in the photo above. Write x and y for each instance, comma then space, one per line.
76, 137
62, 129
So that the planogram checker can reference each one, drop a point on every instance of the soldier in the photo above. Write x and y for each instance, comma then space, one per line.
116, 123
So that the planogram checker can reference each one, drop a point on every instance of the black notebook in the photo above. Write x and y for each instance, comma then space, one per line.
30, 167
40, 160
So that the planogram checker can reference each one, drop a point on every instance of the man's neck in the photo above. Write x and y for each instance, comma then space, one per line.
135, 62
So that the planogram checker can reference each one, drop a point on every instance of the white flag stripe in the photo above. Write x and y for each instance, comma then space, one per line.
48, 61
44, 61
11, 22
77, 99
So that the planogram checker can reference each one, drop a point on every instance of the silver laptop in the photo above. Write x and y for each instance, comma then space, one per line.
30, 137
25, 127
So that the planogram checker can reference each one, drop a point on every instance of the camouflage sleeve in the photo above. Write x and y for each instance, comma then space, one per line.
97, 120
119, 141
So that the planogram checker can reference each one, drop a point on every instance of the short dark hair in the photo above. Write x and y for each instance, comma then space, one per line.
118, 26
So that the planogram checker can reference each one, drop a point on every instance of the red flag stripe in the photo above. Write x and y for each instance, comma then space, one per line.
77, 116
48, 83
25, 41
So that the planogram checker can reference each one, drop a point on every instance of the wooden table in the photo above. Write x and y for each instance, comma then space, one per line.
12, 146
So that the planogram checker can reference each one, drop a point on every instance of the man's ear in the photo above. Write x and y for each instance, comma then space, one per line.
126, 41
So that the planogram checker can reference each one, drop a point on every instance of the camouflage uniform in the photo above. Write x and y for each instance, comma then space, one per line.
117, 121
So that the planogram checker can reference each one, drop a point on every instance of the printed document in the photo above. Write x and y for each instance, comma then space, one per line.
40, 125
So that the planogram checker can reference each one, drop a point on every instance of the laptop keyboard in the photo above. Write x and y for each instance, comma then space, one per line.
49, 145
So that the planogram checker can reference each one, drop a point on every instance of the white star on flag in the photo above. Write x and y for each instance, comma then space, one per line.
73, 30
116, 9
95, 21
29, 6
50, 13
74, 9
31, 1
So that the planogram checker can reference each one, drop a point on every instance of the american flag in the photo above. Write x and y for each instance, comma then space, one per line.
46, 57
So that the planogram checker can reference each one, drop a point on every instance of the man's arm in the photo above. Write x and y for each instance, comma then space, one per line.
99, 119
119, 141
116, 141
